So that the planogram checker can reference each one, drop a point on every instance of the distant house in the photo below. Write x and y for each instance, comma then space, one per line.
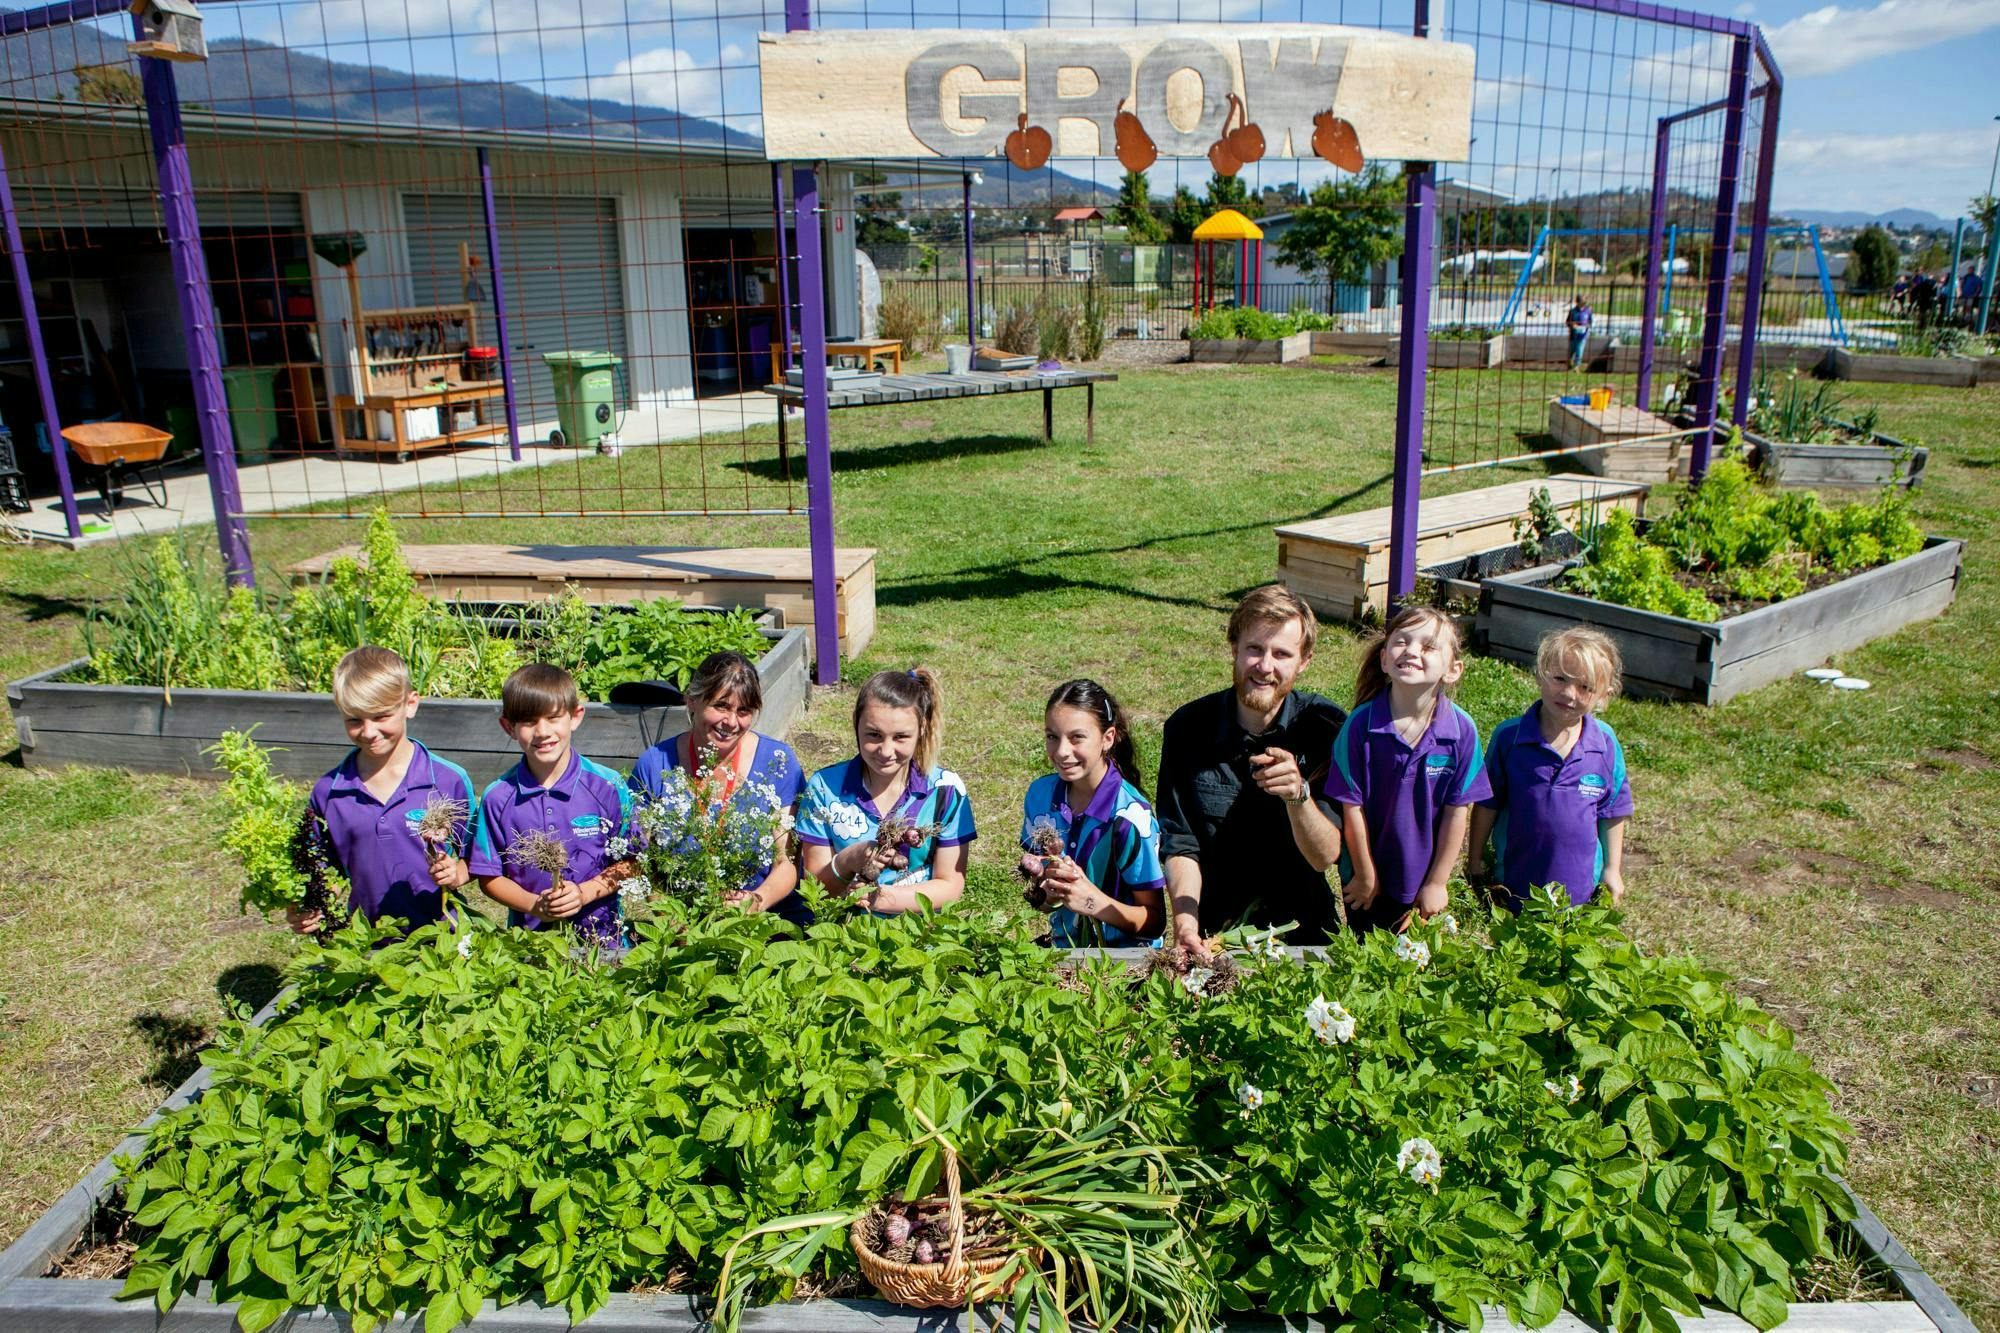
1794, 265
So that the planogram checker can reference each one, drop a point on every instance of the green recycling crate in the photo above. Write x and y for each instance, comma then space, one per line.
252, 395
586, 396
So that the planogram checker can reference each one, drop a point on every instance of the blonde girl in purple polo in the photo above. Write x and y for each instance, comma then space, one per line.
1406, 770
1560, 795
370, 806
898, 725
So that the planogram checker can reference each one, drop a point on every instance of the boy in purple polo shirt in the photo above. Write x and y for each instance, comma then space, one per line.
1560, 796
372, 806
556, 792
1406, 766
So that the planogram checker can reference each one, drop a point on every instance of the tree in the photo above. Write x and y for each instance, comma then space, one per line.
1183, 216
1231, 192
878, 212
113, 85
1134, 211
1874, 260
1346, 227
1985, 210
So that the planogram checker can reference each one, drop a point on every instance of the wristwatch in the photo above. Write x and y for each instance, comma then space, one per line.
1305, 793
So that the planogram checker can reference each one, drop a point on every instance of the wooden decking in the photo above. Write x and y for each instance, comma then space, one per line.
940, 385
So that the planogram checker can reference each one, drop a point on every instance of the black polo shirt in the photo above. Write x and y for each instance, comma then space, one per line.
1212, 811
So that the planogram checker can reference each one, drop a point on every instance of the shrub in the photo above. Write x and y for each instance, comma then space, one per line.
1532, 1114
902, 315
1055, 329
1093, 317
1019, 328
1241, 322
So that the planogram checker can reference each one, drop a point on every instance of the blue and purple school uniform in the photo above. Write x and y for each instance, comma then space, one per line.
836, 811
1404, 791
584, 809
772, 783
374, 843
1115, 840
1553, 811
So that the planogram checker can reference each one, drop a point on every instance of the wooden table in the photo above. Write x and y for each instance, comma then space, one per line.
939, 384
396, 402
865, 348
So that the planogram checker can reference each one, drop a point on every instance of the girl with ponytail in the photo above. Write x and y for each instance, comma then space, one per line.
1090, 845
894, 780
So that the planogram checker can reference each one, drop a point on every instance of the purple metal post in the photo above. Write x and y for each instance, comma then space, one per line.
31, 318
1753, 269
784, 278
971, 293
819, 438
499, 306
1722, 245
1656, 260
197, 302
1419, 240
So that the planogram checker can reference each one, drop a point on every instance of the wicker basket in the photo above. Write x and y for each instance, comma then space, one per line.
936, 1286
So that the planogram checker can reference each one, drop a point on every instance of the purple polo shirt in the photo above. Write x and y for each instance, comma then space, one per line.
583, 809
1553, 810
375, 843
1404, 790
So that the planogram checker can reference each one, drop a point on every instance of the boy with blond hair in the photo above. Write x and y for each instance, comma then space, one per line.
1561, 795
372, 807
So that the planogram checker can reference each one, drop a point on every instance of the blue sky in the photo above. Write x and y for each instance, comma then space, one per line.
1888, 102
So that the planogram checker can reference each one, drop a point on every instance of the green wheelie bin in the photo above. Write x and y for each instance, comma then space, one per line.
586, 396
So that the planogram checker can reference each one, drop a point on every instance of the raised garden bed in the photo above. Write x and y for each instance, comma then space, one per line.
1667, 657
31, 1298
1332, 343
150, 730
1455, 353
1869, 463
1252, 351
1881, 368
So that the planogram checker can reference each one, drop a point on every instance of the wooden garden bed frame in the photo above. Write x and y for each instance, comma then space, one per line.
1883, 461
1667, 657
1252, 351
30, 1300
149, 730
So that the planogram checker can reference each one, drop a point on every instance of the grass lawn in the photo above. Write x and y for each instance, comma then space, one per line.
1834, 853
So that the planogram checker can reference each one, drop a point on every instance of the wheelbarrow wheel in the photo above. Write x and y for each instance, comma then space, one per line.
557, 440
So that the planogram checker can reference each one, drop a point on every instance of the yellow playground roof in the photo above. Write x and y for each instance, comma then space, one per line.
1229, 225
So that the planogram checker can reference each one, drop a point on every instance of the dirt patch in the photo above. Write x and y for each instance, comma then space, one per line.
1803, 867
105, 1249
1133, 352
1984, 1089
1964, 757
918, 423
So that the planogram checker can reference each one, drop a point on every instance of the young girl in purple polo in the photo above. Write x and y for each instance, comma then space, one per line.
372, 804
1560, 796
557, 792
1406, 770
726, 758
1106, 886
898, 722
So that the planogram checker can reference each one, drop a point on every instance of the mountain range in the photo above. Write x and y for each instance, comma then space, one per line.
1905, 218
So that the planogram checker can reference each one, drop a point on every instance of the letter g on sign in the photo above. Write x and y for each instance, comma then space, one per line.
923, 96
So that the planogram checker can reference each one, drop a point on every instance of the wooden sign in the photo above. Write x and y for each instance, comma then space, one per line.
1233, 93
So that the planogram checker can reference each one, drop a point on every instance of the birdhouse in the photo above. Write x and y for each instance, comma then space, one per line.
172, 30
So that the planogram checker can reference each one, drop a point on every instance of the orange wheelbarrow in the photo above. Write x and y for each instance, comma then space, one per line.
121, 453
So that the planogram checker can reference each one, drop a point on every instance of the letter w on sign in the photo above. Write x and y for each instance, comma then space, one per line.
958, 94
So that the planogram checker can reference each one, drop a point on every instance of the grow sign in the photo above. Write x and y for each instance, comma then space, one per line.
1232, 93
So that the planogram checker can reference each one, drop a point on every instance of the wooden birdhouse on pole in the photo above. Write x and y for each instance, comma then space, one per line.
172, 30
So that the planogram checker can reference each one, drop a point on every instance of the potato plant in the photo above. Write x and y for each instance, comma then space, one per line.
1528, 1113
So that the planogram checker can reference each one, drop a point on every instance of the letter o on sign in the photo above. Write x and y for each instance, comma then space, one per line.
1161, 64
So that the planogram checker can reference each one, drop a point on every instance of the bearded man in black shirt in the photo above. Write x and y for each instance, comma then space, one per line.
1246, 830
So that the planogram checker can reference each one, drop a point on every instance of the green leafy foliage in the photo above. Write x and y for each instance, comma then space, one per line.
271, 833
1242, 322
178, 626
1531, 1113
1631, 572
1752, 542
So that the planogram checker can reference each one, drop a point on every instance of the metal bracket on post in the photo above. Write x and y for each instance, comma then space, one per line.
197, 303
1721, 255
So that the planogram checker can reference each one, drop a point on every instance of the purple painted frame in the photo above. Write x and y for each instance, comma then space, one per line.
197, 303
31, 318
499, 305
1419, 252
971, 281
819, 441
1722, 252
1760, 228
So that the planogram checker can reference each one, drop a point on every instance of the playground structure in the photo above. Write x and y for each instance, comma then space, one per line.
690, 253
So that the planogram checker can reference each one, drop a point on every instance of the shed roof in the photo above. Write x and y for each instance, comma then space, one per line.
1229, 225
1079, 214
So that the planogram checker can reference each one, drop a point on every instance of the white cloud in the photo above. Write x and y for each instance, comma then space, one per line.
668, 76
1934, 169
1832, 39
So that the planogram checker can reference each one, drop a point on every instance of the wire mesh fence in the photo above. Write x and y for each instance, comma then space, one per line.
380, 187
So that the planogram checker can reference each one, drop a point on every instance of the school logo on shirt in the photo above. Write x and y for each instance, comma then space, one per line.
589, 826
1592, 787
846, 820
412, 821
1436, 765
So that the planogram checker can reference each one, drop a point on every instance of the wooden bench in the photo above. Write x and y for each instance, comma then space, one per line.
1340, 565
1576, 426
753, 576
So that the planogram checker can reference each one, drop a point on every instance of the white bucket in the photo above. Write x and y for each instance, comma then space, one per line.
957, 358
609, 445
